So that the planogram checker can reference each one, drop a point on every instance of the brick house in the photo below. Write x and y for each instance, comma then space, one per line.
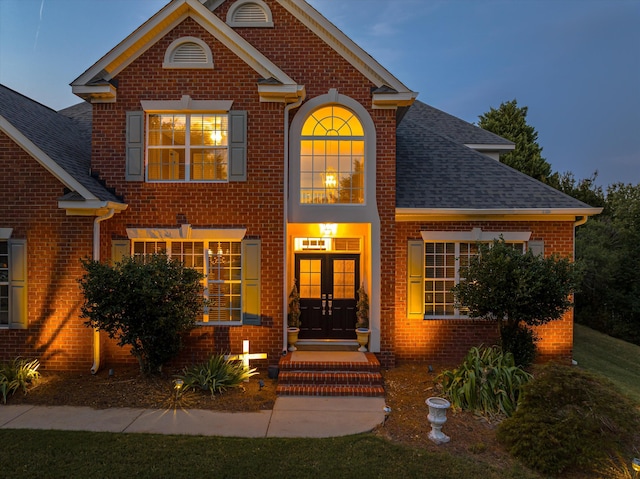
257, 143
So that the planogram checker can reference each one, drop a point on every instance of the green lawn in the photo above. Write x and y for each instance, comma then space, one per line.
617, 360
63, 454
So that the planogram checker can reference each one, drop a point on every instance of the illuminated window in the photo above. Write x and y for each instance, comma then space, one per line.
187, 147
443, 264
332, 157
223, 286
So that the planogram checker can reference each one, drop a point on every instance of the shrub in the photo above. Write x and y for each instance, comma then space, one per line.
216, 375
18, 374
511, 288
568, 418
147, 305
487, 381
521, 342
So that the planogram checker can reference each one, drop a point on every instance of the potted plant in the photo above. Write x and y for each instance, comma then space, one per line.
362, 313
293, 318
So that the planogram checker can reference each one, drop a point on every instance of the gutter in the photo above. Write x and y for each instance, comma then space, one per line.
96, 257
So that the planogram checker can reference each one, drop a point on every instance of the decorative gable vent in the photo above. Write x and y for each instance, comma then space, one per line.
188, 52
249, 13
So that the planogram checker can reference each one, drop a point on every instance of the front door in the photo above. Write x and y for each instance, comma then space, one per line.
327, 285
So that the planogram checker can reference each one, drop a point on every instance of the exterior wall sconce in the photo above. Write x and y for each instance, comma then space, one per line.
328, 229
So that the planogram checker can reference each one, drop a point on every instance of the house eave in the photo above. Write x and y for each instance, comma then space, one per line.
508, 214
392, 101
280, 93
90, 207
490, 147
106, 93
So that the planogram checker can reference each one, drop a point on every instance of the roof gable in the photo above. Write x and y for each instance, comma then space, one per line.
97, 84
59, 143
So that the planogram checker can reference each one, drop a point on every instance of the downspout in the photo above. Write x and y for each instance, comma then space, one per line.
577, 223
96, 257
285, 296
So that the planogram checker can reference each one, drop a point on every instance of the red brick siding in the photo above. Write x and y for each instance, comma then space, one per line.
447, 341
55, 243
256, 204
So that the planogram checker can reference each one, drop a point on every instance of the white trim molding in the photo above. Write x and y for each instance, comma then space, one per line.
5, 233
186, 104
171, 62
187, 232
476, 235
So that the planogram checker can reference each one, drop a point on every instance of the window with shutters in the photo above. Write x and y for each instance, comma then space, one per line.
220, 262
4, 283
188, 52
187, 147
249, 13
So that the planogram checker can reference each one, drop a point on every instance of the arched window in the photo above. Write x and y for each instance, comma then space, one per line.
188, 52
332, 157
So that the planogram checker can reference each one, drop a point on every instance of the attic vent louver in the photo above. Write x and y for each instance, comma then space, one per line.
249, 13
188, 52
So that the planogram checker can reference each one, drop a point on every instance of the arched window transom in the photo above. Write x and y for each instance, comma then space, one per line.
332, 157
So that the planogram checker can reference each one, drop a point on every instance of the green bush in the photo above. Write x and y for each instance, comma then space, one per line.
487, 381
18, 374
146, 304
216, 375
520, 341
569, 419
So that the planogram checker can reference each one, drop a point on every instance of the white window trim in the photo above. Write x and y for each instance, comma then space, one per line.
186, 105
476, 234
168, 56
262, 24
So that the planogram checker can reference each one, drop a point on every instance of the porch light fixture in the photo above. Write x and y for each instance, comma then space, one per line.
328, 229
635, 465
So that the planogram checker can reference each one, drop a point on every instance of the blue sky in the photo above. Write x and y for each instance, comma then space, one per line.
574, 63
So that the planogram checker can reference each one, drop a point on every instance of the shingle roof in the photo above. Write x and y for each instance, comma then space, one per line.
63, 138
451, 126
435, 172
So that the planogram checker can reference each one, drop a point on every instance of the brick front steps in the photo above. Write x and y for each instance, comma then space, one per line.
316, 373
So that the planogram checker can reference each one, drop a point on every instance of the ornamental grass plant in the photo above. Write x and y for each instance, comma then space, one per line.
216, 375
487, 381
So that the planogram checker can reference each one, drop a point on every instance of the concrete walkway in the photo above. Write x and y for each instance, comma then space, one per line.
292, 416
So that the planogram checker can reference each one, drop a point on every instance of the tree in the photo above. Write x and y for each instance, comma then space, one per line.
510, 122
517, 291
607, 248
584, 190
147, 305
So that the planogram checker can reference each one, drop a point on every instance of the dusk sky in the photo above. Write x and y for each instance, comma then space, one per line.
574, 63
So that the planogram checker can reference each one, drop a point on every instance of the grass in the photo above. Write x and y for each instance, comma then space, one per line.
612, 358
65, 454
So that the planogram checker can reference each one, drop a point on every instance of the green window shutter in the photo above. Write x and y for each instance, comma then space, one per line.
135, 146
120, 249
18, 318
415, 280
251, 282
237, 146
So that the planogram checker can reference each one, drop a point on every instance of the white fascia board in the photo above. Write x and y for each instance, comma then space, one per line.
45, 160
162, 23
342, 44
422, 214
91, 207
95, 93
384, 101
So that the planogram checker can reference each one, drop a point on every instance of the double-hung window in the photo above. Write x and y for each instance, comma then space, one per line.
188, 147
436, 264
